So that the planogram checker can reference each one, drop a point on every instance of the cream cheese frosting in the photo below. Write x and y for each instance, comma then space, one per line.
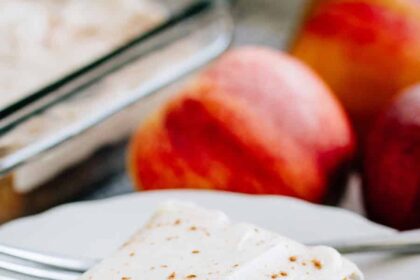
182, 241
45, 39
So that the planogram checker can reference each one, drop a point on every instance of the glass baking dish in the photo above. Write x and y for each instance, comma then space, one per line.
59, 142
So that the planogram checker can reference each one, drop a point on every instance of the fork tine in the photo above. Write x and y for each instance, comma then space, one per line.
61, 262
39, 272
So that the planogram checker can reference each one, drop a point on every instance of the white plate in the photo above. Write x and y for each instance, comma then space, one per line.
96, 229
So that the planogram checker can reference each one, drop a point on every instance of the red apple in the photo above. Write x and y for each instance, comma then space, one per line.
366, 50
392, 165
256, 121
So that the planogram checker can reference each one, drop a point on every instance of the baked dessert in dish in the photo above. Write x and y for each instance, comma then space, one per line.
82, 161
182, 241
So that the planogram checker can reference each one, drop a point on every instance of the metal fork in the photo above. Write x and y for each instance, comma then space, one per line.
21, 262
39, 265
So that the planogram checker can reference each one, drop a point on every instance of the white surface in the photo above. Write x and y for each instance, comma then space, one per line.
96, 229
182, 240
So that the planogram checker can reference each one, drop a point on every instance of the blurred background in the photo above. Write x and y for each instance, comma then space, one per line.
324, 107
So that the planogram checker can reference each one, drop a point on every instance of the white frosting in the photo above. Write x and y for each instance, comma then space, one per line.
44, 39
182, 241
